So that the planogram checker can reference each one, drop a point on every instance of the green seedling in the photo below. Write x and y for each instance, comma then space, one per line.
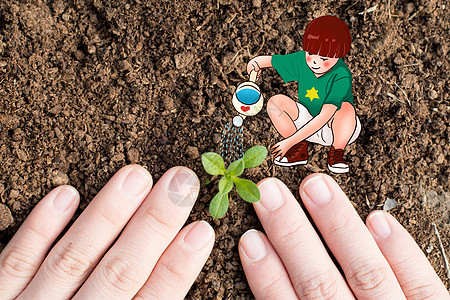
215, 165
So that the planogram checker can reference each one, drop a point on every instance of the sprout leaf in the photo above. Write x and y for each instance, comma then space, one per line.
213, 163
247, 189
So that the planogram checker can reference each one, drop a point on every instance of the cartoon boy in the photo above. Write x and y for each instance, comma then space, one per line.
324, 113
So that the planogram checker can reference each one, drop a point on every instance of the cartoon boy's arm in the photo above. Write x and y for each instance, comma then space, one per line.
258, 63
326, 113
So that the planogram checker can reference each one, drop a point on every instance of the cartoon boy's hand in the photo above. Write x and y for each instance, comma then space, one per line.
280, 148
253, 65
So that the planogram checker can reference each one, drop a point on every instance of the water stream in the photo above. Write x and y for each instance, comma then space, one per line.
231, 143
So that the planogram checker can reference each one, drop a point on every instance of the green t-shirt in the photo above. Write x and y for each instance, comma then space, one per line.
334, 87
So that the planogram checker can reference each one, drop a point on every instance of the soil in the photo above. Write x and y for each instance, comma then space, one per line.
88, 87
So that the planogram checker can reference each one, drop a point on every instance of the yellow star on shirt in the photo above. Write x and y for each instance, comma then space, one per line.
312, 94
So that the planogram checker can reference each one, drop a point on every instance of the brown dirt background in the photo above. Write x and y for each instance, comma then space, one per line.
88, 87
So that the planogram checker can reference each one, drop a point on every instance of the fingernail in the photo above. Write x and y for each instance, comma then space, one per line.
135, 183
271, 196
64, 199
199, 235
183, 188
379, 224
317, 190
253, 245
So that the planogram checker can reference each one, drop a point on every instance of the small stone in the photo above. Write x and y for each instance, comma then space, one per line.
133, 155
65, 17
193, 152
183, 60
118, 157
410, 7
58, 6
79, 55
210, 109
256, 3
216, 138
389, 204
91, 49
59, 178
125, 65
6, 217
398, 59
378, 89
432, 94
59, 134
14, 194
168, 103
22, 155
18, 134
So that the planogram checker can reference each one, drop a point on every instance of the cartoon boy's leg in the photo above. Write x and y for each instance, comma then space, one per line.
343, 126
283, 111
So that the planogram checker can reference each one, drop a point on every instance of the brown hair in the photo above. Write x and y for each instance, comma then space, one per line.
327, 36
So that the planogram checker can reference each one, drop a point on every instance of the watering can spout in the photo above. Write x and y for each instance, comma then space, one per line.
238, 120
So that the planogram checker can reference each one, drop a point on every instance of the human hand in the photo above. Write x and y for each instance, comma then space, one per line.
280, 148
380, 261
150, 259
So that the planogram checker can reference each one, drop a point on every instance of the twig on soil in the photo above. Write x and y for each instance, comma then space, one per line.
207, 19
392, 95
352, 5
410, 65
412, 16
404, 93
1, 196
381, 77
368, 203
395, 97
443, 251
369, 10
237, 53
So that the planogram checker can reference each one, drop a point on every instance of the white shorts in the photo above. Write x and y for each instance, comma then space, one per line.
323, 136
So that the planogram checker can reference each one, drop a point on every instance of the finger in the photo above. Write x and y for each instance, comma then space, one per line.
25, 252
72, 259
180, 264
276, 150
412, 269
367, 271
250, 66
310, 268
129, 262
265, 272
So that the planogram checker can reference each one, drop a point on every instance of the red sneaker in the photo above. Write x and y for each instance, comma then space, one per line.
297, 155
336, 162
